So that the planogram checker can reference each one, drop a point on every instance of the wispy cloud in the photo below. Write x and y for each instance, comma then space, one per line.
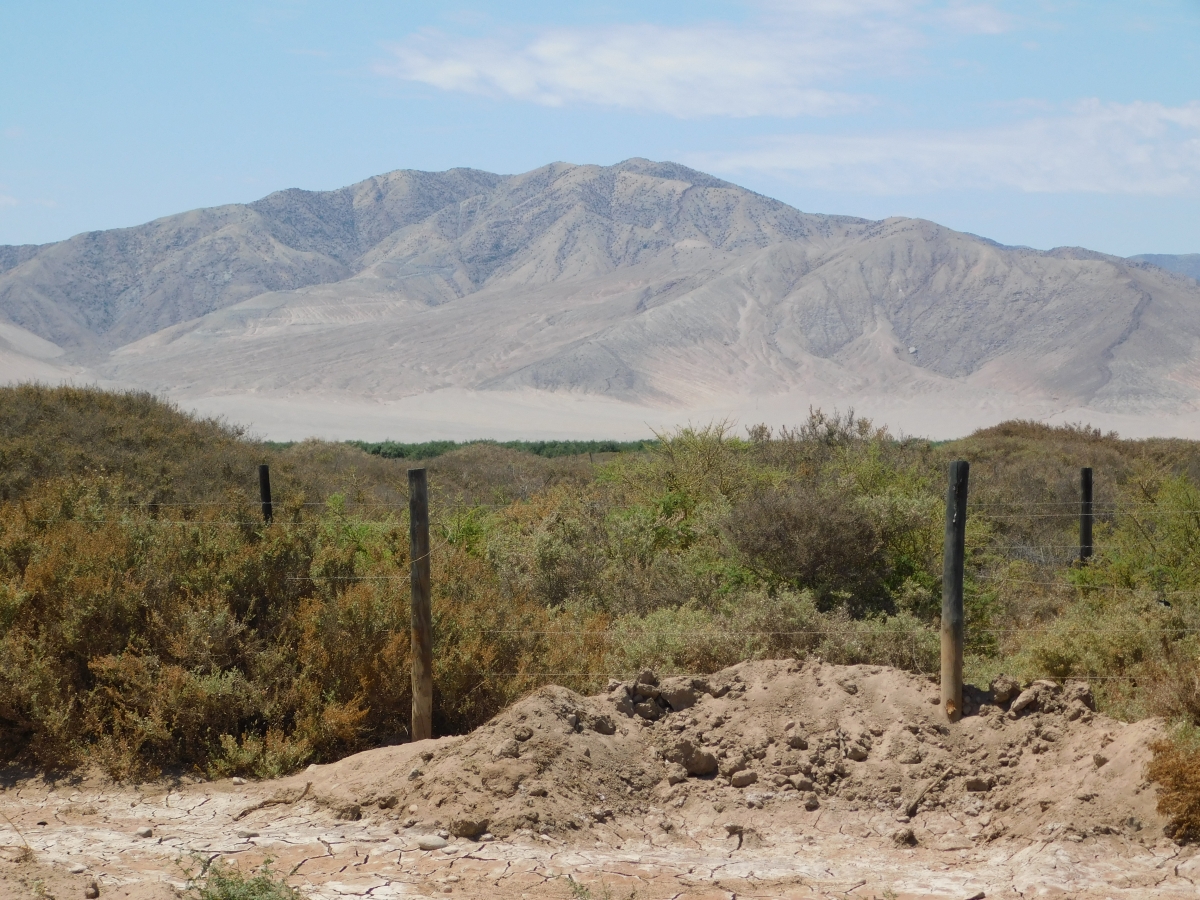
1094, 147
788, 61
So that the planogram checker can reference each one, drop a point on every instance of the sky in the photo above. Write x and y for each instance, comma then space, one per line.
1041, 123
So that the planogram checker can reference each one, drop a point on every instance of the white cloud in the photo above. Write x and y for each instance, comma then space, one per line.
1095, 147
5, 200
786, 63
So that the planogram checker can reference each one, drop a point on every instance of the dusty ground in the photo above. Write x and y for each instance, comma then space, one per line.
806, 781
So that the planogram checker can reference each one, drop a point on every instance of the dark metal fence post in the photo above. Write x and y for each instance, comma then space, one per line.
264, 493
953, 554
1086, 514
422, 614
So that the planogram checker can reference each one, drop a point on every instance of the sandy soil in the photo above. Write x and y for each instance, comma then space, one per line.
805, 781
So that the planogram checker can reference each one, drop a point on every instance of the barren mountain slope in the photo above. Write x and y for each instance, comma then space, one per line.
648, 285
1184, 263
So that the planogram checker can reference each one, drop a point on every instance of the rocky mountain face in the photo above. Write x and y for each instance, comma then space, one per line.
1184, 263
646, 284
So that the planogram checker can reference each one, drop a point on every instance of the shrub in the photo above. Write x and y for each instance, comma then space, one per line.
1176, 768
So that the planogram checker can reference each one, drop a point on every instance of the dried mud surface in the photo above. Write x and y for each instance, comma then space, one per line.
806, 781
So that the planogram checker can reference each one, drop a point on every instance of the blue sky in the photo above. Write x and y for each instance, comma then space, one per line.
1038, 123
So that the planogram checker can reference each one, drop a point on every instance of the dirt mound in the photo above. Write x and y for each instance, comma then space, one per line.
767, 747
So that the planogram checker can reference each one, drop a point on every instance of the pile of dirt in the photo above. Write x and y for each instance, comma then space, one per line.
768, 746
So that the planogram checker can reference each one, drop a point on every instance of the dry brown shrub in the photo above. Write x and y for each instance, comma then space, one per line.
1176, 768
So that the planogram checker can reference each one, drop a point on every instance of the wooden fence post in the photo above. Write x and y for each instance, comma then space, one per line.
264, 493
1086, 514
422, 614
953, 553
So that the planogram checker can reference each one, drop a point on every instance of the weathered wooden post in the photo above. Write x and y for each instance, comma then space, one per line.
422, 614
953, 554
1086, 514
264, 493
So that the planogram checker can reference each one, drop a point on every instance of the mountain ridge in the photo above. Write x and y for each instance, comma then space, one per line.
646, 284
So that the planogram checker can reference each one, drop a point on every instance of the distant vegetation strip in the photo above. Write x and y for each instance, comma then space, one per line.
547, 449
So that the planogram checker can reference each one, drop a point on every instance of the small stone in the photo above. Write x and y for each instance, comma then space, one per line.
856, 753
732, 828
468, 827
1004, 688
676, 774
523, 733
236, 780
92, 890
648, 710
904, 837
431, 842
1099, 759
509, 749
810, 801
744, 778
145, 832
797, 741
647, 677
801, 783
978, 783
602, 725
247, 834
487, 837
78, 869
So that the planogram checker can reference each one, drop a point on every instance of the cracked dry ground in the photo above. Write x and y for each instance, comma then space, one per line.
849, 784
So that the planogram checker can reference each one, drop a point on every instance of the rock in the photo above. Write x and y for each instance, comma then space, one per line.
77, 869
744, 778
978, 783
246, 835
797, 741
1004, 688
810, 801
904, 837
695, 760
237, 780
731, 764
622, 702
909, 756
145, 832
856, 753
733, 828
1079, 692
801, 782
1026, 699
523, 733
487, 837
509, 749
680, 693
468, 827
351, 812
676, 773
1099, 759
649, 691
603, 725
648, 710
91, 890
432, 842
388, 802
647, 677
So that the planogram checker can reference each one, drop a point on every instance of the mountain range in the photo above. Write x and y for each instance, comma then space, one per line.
600, 301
